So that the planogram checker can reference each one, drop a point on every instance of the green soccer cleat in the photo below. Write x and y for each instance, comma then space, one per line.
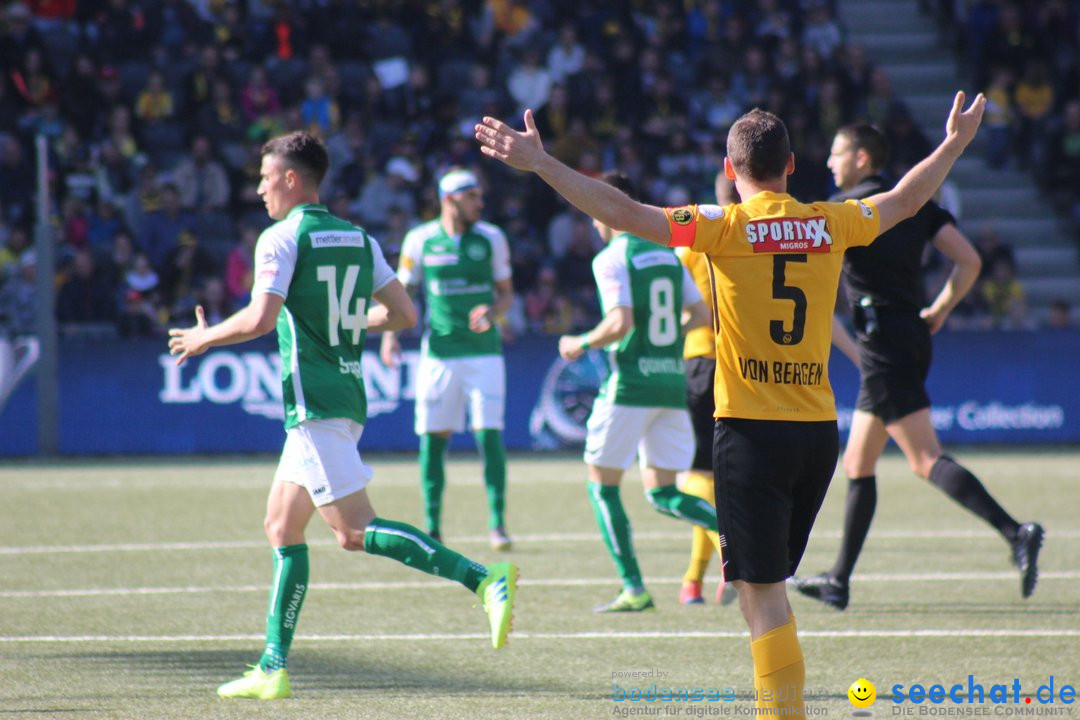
628, 602
258, 685
497, 592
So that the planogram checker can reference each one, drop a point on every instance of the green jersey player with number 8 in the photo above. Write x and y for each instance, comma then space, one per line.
641, 410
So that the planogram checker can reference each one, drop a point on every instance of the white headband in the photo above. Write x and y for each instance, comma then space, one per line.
455, 181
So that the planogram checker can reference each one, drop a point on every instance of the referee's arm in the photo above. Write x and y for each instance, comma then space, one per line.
966, 266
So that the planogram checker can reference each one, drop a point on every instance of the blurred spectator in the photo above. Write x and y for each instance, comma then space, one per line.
160, 233
85, 296
567, 56
137, 317
821, 31
319, 111
1004, 298
258, 98
240, 265
1060, 315
1034, 99
215, 300
997, 122
992, 251
155, 103
529, 84
15, 168
186, 268
200, 179
384, 190
18, 297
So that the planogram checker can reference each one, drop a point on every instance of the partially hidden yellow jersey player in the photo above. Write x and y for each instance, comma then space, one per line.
699, 352
774, 263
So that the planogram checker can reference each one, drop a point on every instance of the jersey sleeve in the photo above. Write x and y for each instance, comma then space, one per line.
690, 292
275, 262
410, 266
612, 281
701, 228
383, 273
859, 221
500, 257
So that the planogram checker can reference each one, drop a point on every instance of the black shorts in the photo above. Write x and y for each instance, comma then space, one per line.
894, 355
701, 401
771, 478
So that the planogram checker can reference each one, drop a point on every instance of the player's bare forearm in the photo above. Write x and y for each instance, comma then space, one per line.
523, 150
921, 182
843, 341
394, 312
255, 320
615, 325
695, 316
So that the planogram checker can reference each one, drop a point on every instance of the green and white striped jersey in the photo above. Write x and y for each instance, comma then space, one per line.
326, 269
647, 363
458, 273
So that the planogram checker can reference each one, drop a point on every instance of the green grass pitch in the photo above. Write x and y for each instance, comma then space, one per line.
132, 589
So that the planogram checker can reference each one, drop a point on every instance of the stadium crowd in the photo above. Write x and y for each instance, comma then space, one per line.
155, 113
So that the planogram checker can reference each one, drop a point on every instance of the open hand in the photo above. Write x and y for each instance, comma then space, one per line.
190, 342
520, 150
964, 123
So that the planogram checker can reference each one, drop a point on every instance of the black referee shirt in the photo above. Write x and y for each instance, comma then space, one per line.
889, 270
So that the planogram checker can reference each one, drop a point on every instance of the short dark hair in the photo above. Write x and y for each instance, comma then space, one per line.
758, 146
301, 151
868, 139
620, 181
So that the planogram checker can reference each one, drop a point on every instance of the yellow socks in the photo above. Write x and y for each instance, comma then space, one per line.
779, 671
700, 484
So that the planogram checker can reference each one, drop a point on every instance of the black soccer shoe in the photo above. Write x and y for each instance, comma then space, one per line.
823, 587
1025, 554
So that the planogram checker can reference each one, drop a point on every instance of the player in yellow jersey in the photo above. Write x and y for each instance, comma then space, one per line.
699, 352
774, 267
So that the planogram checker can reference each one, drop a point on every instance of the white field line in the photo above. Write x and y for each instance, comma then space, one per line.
427, 585
424, 637
1071, 534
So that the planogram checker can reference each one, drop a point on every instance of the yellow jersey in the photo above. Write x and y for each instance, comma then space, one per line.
701, 341
774, 266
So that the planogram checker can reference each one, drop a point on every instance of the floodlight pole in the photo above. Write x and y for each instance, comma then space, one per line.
45, 320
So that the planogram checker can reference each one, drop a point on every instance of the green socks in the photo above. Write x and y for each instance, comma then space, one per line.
491, 446
615, 529
669, 500
286, 598
409, 546
433, 477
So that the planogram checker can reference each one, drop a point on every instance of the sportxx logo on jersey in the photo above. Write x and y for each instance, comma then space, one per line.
789, 235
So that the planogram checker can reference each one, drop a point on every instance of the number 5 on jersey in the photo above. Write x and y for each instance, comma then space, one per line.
338, 314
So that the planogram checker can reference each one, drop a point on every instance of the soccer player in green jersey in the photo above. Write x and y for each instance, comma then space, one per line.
648, 301
464, 265
315, 277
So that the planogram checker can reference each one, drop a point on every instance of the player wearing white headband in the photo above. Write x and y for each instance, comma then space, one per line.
464, 266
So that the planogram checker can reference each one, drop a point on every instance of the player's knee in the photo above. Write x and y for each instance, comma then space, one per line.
350, 539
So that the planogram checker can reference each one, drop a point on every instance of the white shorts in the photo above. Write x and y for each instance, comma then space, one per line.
321, 455
446, 387
661, 437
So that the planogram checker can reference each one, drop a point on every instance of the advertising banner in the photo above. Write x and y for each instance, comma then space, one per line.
129, 397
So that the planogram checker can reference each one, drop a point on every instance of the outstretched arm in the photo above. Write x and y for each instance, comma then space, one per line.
921, 182
595, 198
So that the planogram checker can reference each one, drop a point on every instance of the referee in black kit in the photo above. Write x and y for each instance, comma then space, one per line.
892, 331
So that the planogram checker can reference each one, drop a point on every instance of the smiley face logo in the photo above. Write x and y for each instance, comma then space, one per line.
862, 693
